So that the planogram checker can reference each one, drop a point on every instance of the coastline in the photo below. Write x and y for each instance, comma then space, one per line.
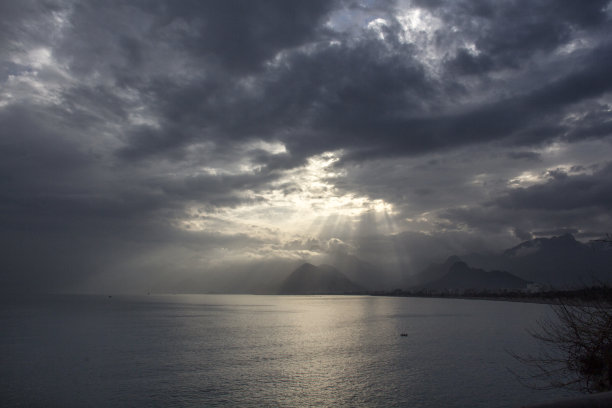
597, 295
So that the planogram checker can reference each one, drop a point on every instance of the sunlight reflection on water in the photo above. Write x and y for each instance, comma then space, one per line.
242, 350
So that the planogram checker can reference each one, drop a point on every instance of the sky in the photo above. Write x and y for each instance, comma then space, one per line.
145, 143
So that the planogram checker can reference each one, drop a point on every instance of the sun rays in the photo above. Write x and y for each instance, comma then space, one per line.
302, 202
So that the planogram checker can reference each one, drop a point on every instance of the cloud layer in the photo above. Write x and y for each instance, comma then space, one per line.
144, 143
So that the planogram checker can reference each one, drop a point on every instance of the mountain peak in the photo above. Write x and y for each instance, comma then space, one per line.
554, 244
323, 279
559, 261
451, 260
305, 267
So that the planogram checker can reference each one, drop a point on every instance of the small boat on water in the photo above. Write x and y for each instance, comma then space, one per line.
404, 334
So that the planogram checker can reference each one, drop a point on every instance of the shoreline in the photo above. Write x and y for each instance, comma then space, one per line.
548, 298
536, 300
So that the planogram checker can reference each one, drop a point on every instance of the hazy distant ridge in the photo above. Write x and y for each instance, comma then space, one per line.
557, 261
324, 279
461, 277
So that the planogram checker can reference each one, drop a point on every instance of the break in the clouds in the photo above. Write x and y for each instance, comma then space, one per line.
148, 143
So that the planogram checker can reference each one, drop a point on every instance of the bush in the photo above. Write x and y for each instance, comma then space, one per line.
576, 350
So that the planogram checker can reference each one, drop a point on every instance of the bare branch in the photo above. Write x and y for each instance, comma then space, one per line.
576, 348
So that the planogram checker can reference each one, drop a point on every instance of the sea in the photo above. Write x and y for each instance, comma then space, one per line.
265, 351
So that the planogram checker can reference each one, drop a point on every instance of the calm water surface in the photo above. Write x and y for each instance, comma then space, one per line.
242, 350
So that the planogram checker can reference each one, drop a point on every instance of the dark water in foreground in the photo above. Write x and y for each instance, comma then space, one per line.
235, 350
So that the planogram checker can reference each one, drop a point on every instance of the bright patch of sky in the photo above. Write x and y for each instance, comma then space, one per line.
291, 203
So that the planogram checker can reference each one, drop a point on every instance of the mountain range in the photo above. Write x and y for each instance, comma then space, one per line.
461, 277
324, 279
560, 262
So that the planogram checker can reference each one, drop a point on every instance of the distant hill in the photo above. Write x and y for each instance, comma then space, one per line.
561, 262
324, 279
461, 277
558, 261
361, 272
434, 271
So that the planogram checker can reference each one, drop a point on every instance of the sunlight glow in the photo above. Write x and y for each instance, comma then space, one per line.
526, 179
377, 26
419, 27
530, 178
293, 204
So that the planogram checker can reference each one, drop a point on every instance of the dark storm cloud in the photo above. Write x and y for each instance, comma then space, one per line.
243, 34
27, 20
373, 96
524, 155
47, 174
525, 223
237, 34
594, 121
183, 60
120, 119
564, 192
349, 96
506, 34
565, 203
210, 190
375, 100
526, 119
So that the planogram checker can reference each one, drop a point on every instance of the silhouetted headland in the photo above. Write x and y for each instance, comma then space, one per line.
315, 280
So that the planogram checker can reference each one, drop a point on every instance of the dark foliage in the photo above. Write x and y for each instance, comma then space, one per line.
576, 345
576, 350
